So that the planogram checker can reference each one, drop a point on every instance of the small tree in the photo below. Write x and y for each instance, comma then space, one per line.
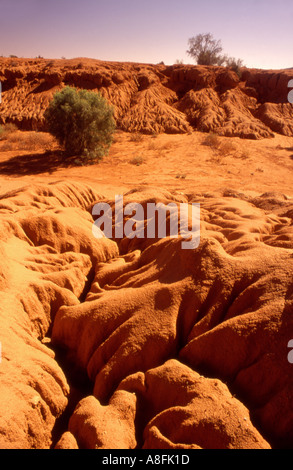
235, 65
82, 122
206, 50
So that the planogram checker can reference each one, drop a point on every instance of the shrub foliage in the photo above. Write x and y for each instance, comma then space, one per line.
82, 122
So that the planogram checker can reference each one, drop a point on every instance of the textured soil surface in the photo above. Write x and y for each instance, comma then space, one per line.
155, 98
137, 343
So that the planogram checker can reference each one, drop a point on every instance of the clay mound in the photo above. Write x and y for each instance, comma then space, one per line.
154, 98
269, 85
277, 116
195, 412
105, 427
148, 330
228, 115
152, 112
217, 293
177, 409
38, 274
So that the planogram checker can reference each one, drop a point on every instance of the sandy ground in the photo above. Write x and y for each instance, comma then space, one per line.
138, 343
175, 162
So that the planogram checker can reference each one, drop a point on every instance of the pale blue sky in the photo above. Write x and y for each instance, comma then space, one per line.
258, 31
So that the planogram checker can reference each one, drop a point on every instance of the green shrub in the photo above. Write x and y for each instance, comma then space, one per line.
82, 122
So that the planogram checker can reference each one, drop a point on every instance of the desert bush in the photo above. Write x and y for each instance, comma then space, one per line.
117, 136
244, 155
212, 140
35, 140
136, 137
235, 65
12, 137
167, 146
6, 146
139, 160
7, 129
205, 50
82, 122
227, 148
27, 141
152, 145
10, 127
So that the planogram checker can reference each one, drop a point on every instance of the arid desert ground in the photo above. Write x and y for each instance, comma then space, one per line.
139, 344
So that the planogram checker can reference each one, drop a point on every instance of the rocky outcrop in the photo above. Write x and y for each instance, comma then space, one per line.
154, 98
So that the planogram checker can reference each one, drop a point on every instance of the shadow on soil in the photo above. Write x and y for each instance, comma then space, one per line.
34, 164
